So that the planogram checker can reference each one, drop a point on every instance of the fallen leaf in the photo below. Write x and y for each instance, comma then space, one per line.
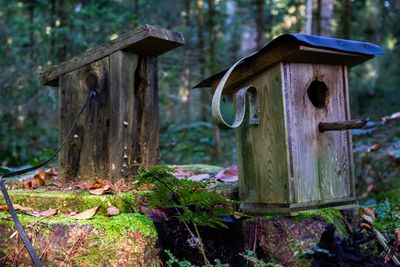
182, 173
200, 177
97, 184
27, 185
228, 175
367, 211
17, 207
365, 226
38, 180
374, 148
46, 213
100, 191
112, 211
87, 214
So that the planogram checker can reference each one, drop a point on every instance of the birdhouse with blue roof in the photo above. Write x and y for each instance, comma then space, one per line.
292, 122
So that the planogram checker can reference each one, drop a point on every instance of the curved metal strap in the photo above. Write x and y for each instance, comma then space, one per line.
240, 103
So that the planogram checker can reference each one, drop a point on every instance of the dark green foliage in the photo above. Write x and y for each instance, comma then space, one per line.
194, 201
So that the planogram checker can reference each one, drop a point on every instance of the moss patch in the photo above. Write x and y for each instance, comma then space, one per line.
76, 200
124, 240
113, 226
331, 215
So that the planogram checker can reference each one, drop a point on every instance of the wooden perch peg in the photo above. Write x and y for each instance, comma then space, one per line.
341, 125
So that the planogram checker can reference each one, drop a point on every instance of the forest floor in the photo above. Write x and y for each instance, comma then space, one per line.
100, 222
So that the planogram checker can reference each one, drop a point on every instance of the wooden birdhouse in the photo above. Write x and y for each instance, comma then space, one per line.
293, 144
119, 129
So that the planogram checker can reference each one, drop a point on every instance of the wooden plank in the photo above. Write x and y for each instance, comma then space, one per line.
87, 156
321, 166
123, 120
146, 112
144, 40
262, 153
346, 89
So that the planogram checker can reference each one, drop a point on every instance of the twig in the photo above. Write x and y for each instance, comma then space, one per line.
206, 261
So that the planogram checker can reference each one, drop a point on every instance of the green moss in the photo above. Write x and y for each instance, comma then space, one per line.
115, 226
331, 215
77, 200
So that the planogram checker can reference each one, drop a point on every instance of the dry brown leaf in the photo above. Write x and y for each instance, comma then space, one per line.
46, 213
38, 180
112, 211
368, 211
374, 148
27, 184
97, 184
100, 191
87, 214
17, 207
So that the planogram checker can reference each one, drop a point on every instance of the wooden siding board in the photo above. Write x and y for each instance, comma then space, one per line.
262, 157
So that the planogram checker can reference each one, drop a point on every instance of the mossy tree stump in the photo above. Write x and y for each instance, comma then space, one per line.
119, 128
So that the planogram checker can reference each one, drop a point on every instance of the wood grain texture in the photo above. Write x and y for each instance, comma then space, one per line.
321, 169
144, 40
123, 120
146, 112
262, 150
87, 155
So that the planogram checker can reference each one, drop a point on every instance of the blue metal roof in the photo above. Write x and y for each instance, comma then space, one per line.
364, 50
336, 44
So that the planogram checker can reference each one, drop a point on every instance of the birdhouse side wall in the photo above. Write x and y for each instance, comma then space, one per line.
320, 162
262, 149
118, 131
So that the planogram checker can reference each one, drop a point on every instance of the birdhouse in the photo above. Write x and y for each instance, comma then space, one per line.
119, 130
292, 119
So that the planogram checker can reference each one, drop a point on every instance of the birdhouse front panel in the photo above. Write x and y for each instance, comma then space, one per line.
320, 162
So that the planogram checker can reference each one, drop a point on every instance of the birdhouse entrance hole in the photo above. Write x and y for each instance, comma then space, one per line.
318, 94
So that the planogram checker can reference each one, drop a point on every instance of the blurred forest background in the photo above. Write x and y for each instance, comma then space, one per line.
35, 34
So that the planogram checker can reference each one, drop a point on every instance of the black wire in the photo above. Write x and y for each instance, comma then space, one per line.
35, 258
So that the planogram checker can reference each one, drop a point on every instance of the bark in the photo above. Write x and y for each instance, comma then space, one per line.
309, 17
187, 72
62, 13
202, 54
345, 23
213, 54
326, 11
260, 24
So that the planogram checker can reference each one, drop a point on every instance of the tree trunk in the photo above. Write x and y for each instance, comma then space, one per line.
309, 17
213, 62
346, 19
202, 54
326, 11
186, 70
31, 9
260, 24
53, 23
62, 13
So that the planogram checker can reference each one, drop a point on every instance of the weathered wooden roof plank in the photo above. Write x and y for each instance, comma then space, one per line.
144, 40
